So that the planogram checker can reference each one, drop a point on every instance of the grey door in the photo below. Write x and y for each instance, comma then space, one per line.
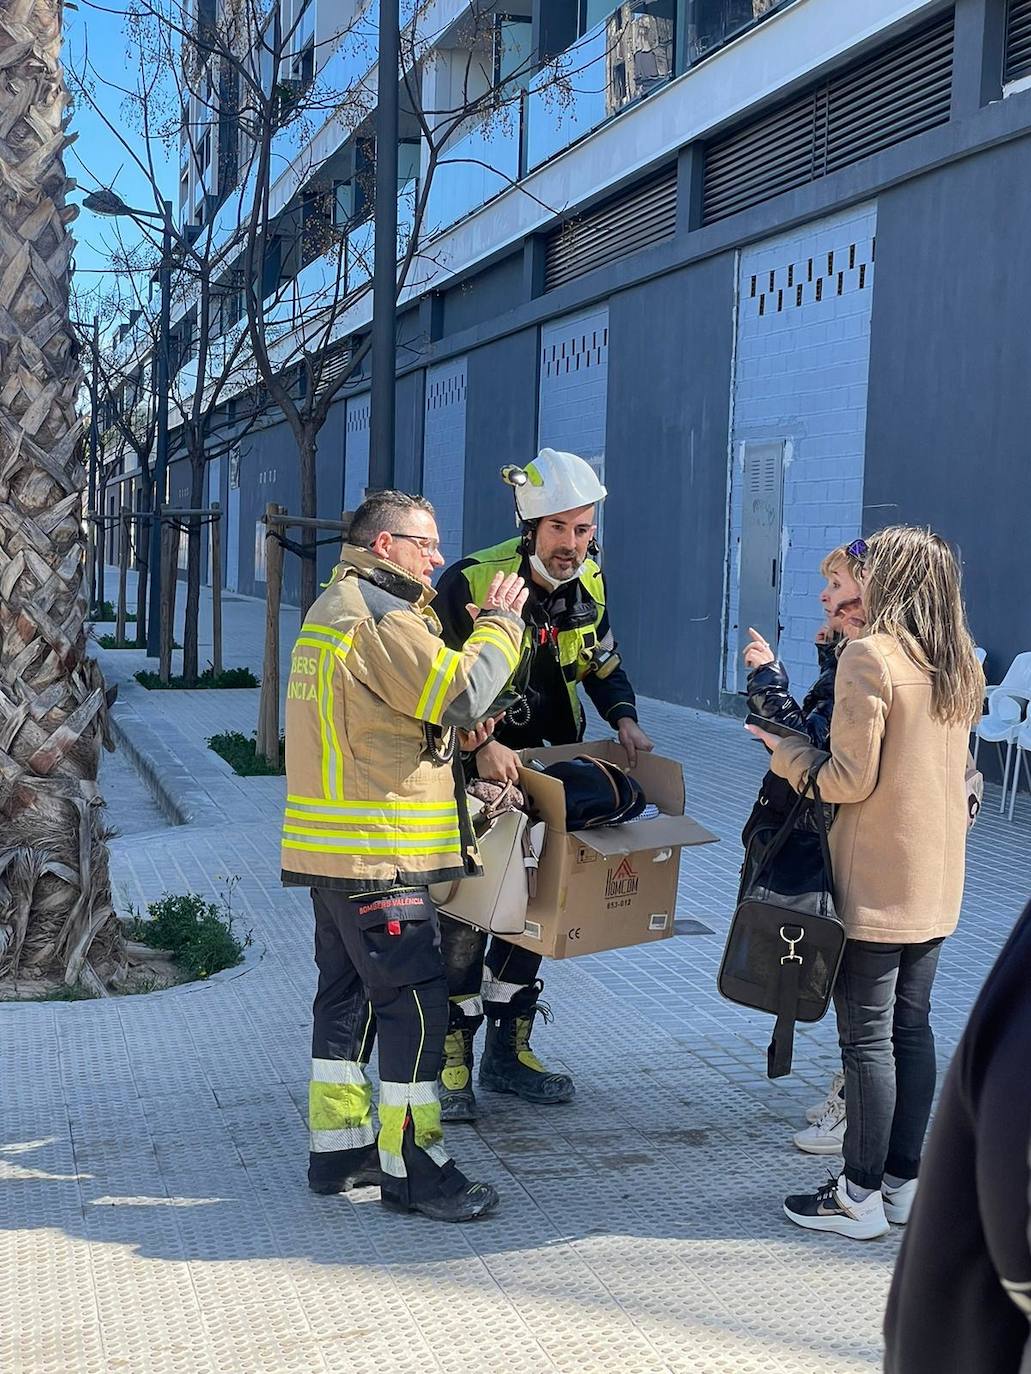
763, 487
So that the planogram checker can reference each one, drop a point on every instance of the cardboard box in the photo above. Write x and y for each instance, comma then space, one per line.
614, 886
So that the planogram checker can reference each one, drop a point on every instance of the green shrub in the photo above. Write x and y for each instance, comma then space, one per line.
108, 611
228, 679
110, 642
198, 933
242, 755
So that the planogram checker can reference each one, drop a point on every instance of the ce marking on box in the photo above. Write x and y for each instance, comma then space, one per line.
575, 933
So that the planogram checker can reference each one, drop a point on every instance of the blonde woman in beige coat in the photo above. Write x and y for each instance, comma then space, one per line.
906, 696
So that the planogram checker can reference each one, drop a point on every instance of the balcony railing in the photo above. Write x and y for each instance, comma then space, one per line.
618, 62
474, 168
713, 23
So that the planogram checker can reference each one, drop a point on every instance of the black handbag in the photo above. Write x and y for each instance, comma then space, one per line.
786, 939
597, 793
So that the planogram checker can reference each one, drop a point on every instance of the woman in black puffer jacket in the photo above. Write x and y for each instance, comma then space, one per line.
769, 692
769, 695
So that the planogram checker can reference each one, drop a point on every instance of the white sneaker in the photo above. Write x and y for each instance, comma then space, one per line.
827, 1135
898, 1202
831, 1209
835, 1090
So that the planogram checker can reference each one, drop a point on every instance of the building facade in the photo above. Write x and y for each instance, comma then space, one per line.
766, 267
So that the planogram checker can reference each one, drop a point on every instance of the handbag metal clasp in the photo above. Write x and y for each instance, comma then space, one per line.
791, 956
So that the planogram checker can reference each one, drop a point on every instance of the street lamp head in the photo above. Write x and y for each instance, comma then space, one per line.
105, 202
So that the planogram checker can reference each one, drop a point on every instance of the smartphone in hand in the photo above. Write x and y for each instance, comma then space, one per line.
774, 727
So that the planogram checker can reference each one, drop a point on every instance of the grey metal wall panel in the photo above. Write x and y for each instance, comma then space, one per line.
214, 494
949, 419
666, 469
329, 476
802, 358
574, 386
501, 427
409, 406
356, 451
268, 472
496, 289
443, 479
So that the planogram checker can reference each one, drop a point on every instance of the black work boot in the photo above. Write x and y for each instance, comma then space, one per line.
455, 1083
472, 1201
440, 1192
328, 1175
509, 1065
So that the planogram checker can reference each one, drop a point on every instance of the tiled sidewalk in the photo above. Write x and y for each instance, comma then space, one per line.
153, 1210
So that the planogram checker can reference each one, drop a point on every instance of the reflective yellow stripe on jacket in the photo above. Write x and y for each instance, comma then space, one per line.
431, 703
332, 646
411, 828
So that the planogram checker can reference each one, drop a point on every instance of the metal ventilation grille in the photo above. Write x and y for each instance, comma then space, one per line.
900, 91
335, 366
1018, 40
645, 215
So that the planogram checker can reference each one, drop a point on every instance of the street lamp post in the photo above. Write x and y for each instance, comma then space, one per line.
161, 456
384, 282
110, 203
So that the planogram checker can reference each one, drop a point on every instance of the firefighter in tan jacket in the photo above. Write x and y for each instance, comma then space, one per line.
375, 702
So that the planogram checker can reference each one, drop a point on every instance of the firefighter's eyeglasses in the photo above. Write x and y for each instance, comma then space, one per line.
427, 546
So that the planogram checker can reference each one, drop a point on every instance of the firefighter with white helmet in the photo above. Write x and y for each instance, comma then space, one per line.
567, 641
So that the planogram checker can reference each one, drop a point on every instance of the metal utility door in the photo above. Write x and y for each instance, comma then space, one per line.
761, 524
232, 532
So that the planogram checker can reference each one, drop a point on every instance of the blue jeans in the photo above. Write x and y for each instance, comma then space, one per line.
883, 1004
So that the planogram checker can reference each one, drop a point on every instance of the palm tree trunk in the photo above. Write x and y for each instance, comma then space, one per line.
55, 893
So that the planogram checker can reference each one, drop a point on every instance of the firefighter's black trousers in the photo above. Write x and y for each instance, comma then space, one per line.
499, 981
380, 975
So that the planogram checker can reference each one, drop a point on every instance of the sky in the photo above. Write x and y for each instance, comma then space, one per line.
97, 159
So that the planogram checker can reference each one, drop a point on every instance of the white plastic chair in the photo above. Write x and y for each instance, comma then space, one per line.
1022, 744
1000, 726
1017, 682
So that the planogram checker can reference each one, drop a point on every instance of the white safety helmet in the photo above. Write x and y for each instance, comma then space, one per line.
553, 482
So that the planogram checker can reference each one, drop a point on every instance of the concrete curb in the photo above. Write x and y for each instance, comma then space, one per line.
164, 768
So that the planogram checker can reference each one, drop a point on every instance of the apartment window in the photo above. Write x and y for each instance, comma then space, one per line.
232, 308
303, 66
513, 51
592, 12
315, 218
343, 203
712, 23
204, 154
184, 187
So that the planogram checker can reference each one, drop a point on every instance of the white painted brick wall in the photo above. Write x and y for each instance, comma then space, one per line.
801, 376
443, 463
356, 452
574, 379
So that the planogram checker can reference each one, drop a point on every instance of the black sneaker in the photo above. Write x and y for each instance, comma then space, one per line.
831, 1209
471, 1202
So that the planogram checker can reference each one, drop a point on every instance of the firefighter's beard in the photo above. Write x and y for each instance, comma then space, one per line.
559, 569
